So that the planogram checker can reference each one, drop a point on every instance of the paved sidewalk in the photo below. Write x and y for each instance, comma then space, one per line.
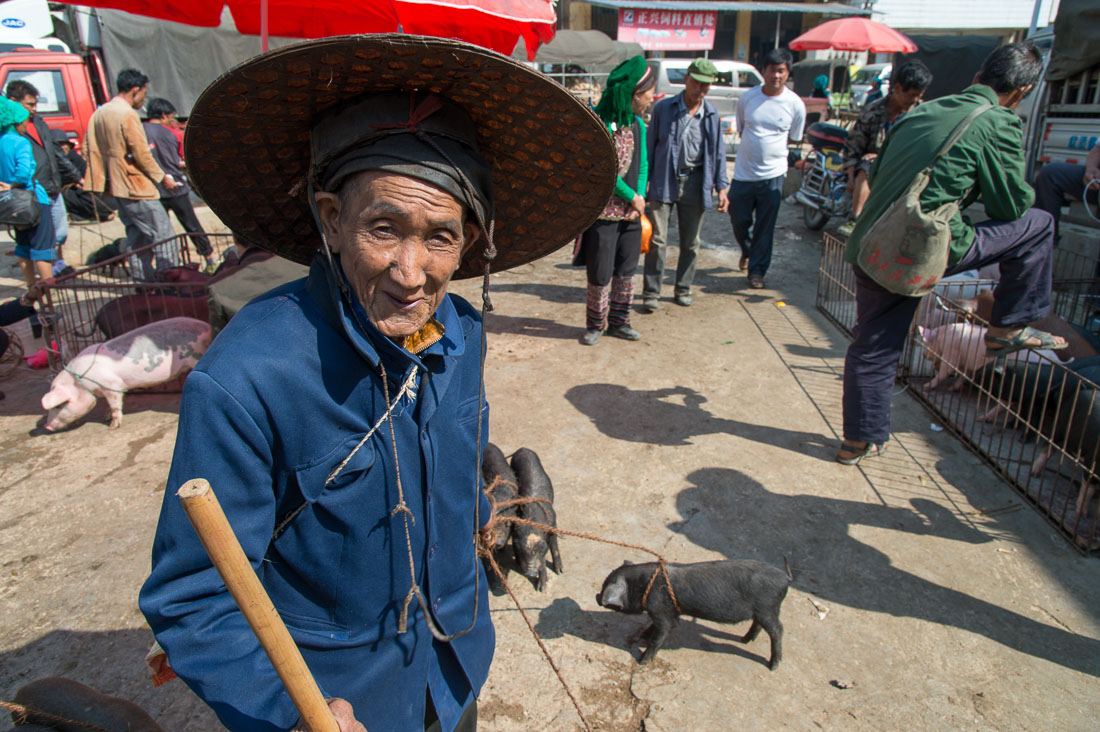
711, 437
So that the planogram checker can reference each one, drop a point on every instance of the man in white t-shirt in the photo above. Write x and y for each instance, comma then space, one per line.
767, 117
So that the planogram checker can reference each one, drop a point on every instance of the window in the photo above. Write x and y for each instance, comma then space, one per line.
747, 79
50, 85
676, 76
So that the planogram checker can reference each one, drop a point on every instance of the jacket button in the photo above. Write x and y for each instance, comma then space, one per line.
431, 551
435, 605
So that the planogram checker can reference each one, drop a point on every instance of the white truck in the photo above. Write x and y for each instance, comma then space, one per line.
1063, 119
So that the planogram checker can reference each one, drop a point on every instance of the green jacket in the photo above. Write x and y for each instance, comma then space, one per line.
987, 161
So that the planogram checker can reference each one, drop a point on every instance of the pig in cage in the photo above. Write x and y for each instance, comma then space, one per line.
117, 295
1033, 417
1075, 297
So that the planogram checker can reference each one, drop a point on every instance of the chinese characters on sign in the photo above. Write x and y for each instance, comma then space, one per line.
668, 30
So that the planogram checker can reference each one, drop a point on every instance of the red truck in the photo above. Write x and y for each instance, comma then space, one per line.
70, 86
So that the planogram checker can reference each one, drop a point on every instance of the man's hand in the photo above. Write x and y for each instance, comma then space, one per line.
170, 183
637, 208
1091, 173
723, 201
345, 717
5, 186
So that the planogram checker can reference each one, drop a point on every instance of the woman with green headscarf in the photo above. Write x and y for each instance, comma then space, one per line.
34, 246
611, 246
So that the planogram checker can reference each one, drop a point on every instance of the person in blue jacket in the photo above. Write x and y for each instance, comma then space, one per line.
340, 419
34, 245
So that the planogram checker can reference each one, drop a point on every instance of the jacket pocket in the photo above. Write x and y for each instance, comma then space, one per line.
341, 466
466, 412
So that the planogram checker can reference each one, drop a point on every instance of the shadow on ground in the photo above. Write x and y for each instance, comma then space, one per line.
565, 617
497, 324
728, 512
109, 662
674, 415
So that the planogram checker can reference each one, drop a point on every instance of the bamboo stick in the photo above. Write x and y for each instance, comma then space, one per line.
217, 537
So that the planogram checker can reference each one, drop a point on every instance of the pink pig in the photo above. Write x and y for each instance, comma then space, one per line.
958, 345
146, 356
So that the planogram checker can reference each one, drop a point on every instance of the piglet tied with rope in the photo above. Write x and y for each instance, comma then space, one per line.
728, 591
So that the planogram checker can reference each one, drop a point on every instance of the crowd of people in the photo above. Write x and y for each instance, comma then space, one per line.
893, 140
342, 416
129, 166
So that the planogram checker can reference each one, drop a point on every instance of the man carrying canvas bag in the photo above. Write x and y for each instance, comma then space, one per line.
986, 162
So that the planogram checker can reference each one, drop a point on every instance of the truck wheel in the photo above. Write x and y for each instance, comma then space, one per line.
814, 219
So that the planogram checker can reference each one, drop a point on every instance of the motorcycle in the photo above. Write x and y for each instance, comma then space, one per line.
824, 191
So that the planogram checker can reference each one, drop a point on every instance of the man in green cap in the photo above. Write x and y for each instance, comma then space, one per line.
687, 159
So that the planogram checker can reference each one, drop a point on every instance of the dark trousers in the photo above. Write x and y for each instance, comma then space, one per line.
1057, 181
611, 252
759, 199
11, 312
611, 249
185, 214
1023, 248
466, 723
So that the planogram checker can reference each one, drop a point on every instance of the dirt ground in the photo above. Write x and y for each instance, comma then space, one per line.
712, 437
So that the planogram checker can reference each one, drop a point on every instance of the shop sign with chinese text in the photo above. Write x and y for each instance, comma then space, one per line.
668, 30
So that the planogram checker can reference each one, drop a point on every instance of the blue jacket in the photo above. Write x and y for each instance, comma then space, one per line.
663, 141
17, 164
281, 398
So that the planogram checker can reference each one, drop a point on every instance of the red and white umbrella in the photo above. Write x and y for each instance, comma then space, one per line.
853, 34
493, 24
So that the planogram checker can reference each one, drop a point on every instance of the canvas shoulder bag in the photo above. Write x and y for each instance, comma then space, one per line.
906, 249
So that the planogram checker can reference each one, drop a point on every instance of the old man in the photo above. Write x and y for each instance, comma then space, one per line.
340, 418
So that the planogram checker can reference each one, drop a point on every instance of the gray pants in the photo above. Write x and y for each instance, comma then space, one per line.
689, 216
146, 223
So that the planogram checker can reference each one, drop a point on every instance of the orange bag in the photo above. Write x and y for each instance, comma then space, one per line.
647, 233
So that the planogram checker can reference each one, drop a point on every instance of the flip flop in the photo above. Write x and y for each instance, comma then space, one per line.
869, 451
756, 282
1019, 342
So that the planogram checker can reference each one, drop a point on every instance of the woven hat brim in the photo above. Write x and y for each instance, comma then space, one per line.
247, 141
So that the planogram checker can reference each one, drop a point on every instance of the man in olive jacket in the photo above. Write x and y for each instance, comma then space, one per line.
988, 163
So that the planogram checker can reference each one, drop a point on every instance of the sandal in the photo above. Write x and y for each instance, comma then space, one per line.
1019, 341
870, 450
756, 282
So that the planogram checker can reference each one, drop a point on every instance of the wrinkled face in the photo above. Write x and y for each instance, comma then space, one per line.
775, 77
641, 101
66, 402
905, 98
400, 241
694, 91
30, 103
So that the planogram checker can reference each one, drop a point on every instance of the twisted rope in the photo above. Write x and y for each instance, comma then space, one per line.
557, 671
489, 530
26, 715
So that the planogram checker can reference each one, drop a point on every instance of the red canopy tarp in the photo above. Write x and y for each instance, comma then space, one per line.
493, 24
853, 34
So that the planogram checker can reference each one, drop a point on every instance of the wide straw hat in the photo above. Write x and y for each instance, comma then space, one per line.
248, 139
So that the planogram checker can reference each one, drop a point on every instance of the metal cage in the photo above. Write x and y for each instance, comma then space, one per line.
98, 302
1035, 420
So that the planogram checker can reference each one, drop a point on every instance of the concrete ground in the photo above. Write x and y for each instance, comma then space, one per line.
710, 438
